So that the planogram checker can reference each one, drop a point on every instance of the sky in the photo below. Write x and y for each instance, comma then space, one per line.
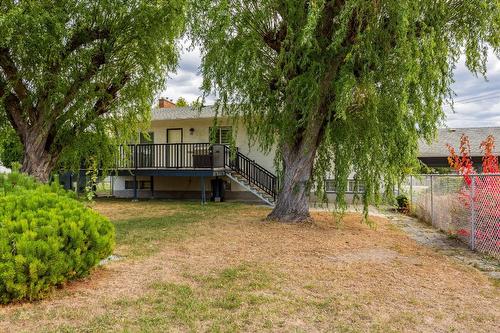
477, 101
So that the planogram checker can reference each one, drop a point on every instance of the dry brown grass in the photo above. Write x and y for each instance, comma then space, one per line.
236, 272
117, 210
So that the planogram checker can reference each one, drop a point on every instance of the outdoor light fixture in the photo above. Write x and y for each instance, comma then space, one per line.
191, 131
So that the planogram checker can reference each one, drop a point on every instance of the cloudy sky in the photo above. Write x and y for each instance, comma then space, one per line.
477, 102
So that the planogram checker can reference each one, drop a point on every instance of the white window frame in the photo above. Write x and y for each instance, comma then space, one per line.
351, 186
218, 137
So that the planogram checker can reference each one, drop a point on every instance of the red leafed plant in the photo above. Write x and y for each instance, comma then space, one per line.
490, 161
462, 163
486, 189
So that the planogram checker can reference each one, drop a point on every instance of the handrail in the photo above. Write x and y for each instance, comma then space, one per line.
254, 173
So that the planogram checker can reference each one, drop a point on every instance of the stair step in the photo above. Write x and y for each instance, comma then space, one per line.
269, 199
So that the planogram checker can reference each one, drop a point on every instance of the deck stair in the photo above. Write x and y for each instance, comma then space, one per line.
239, 179
251, 176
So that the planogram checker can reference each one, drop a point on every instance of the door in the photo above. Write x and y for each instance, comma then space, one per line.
175, 153
145, 152
174, 135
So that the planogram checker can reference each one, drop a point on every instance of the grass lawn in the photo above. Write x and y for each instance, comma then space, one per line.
221, 268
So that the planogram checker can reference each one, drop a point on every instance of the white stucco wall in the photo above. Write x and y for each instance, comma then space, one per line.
201, 134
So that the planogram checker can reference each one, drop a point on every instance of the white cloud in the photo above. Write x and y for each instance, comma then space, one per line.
187, 80
476, 113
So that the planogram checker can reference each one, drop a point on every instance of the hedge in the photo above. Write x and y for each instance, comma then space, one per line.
47, 237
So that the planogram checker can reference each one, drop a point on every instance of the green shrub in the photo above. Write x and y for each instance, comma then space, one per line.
403, 203
16, 181
47, 237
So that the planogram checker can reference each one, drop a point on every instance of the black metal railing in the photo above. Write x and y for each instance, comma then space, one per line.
251, 171
165, 156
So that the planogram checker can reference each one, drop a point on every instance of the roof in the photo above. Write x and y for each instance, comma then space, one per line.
452, 136
186, 112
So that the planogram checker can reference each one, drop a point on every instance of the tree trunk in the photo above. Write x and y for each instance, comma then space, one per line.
293, 200
38, 162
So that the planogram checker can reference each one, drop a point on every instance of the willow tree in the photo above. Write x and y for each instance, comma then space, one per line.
77, 74
341, 86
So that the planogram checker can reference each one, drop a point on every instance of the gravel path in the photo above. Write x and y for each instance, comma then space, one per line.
439, 241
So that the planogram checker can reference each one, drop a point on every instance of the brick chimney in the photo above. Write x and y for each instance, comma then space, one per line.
165, 103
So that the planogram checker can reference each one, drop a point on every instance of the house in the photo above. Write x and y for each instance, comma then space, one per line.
178, 159
435, 155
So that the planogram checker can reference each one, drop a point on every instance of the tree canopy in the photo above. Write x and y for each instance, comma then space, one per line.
181, 101
78, 76
345, 86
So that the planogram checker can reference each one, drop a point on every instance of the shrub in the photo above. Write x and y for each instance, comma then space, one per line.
16, 182
403, 203
47, 237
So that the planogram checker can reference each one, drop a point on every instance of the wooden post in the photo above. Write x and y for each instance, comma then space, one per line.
432, 202
152, 179
135, 188
203, 194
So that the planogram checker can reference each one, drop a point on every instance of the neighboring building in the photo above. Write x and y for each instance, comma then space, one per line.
436, 154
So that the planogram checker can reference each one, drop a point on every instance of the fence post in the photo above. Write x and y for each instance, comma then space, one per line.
432, 202
411, 190
473, 214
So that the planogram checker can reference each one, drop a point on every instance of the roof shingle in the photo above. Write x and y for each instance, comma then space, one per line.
452, 136
186, 112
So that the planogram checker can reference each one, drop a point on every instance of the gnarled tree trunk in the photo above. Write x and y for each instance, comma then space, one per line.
38, 162
292, 204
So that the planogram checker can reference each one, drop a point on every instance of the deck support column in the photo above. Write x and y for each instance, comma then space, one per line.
152, 179
203, 194
135, 188
81, 182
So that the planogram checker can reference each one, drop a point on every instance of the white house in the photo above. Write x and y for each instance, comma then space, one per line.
179, 161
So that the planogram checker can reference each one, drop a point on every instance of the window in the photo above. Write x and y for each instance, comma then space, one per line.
223, 134
355, 188
142, 184
330, 185
352, 187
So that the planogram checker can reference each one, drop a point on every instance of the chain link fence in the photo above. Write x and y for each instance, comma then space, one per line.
464, 207
104, 187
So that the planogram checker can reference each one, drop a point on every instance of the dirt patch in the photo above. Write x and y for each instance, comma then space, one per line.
366, 255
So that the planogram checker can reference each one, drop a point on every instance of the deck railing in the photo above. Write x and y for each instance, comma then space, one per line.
165, 156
